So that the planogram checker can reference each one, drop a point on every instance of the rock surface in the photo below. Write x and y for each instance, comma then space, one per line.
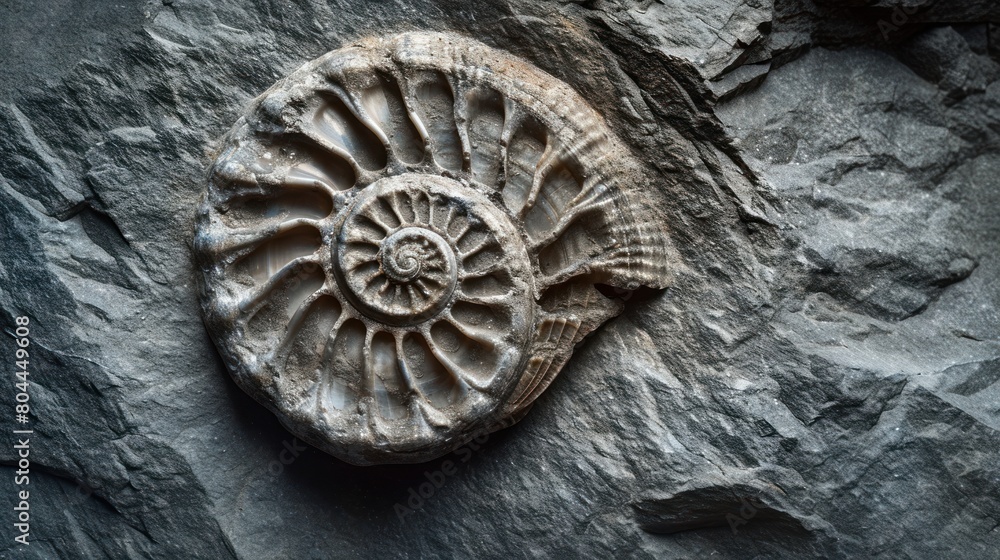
822, 379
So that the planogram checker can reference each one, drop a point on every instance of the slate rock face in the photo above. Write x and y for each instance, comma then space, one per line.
821, 378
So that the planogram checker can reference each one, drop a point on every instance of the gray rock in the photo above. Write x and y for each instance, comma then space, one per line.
821, 379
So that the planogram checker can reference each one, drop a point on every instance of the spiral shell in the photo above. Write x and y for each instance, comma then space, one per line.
400, 243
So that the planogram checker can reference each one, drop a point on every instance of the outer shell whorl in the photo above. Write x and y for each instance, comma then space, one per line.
401, 240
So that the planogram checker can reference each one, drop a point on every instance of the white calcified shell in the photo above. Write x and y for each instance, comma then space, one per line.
400, 243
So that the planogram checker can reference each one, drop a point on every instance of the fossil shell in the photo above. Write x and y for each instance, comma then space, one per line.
400, 243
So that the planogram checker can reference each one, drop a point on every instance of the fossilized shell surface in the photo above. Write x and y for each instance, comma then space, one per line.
400, 243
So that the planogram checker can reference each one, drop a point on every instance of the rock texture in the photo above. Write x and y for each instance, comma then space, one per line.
821, 379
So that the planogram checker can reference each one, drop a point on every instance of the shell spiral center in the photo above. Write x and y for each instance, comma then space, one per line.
418, 257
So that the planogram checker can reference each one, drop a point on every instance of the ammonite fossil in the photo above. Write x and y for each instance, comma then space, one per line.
401, 240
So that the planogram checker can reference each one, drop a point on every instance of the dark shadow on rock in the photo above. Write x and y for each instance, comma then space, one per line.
736, 516
738, 507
